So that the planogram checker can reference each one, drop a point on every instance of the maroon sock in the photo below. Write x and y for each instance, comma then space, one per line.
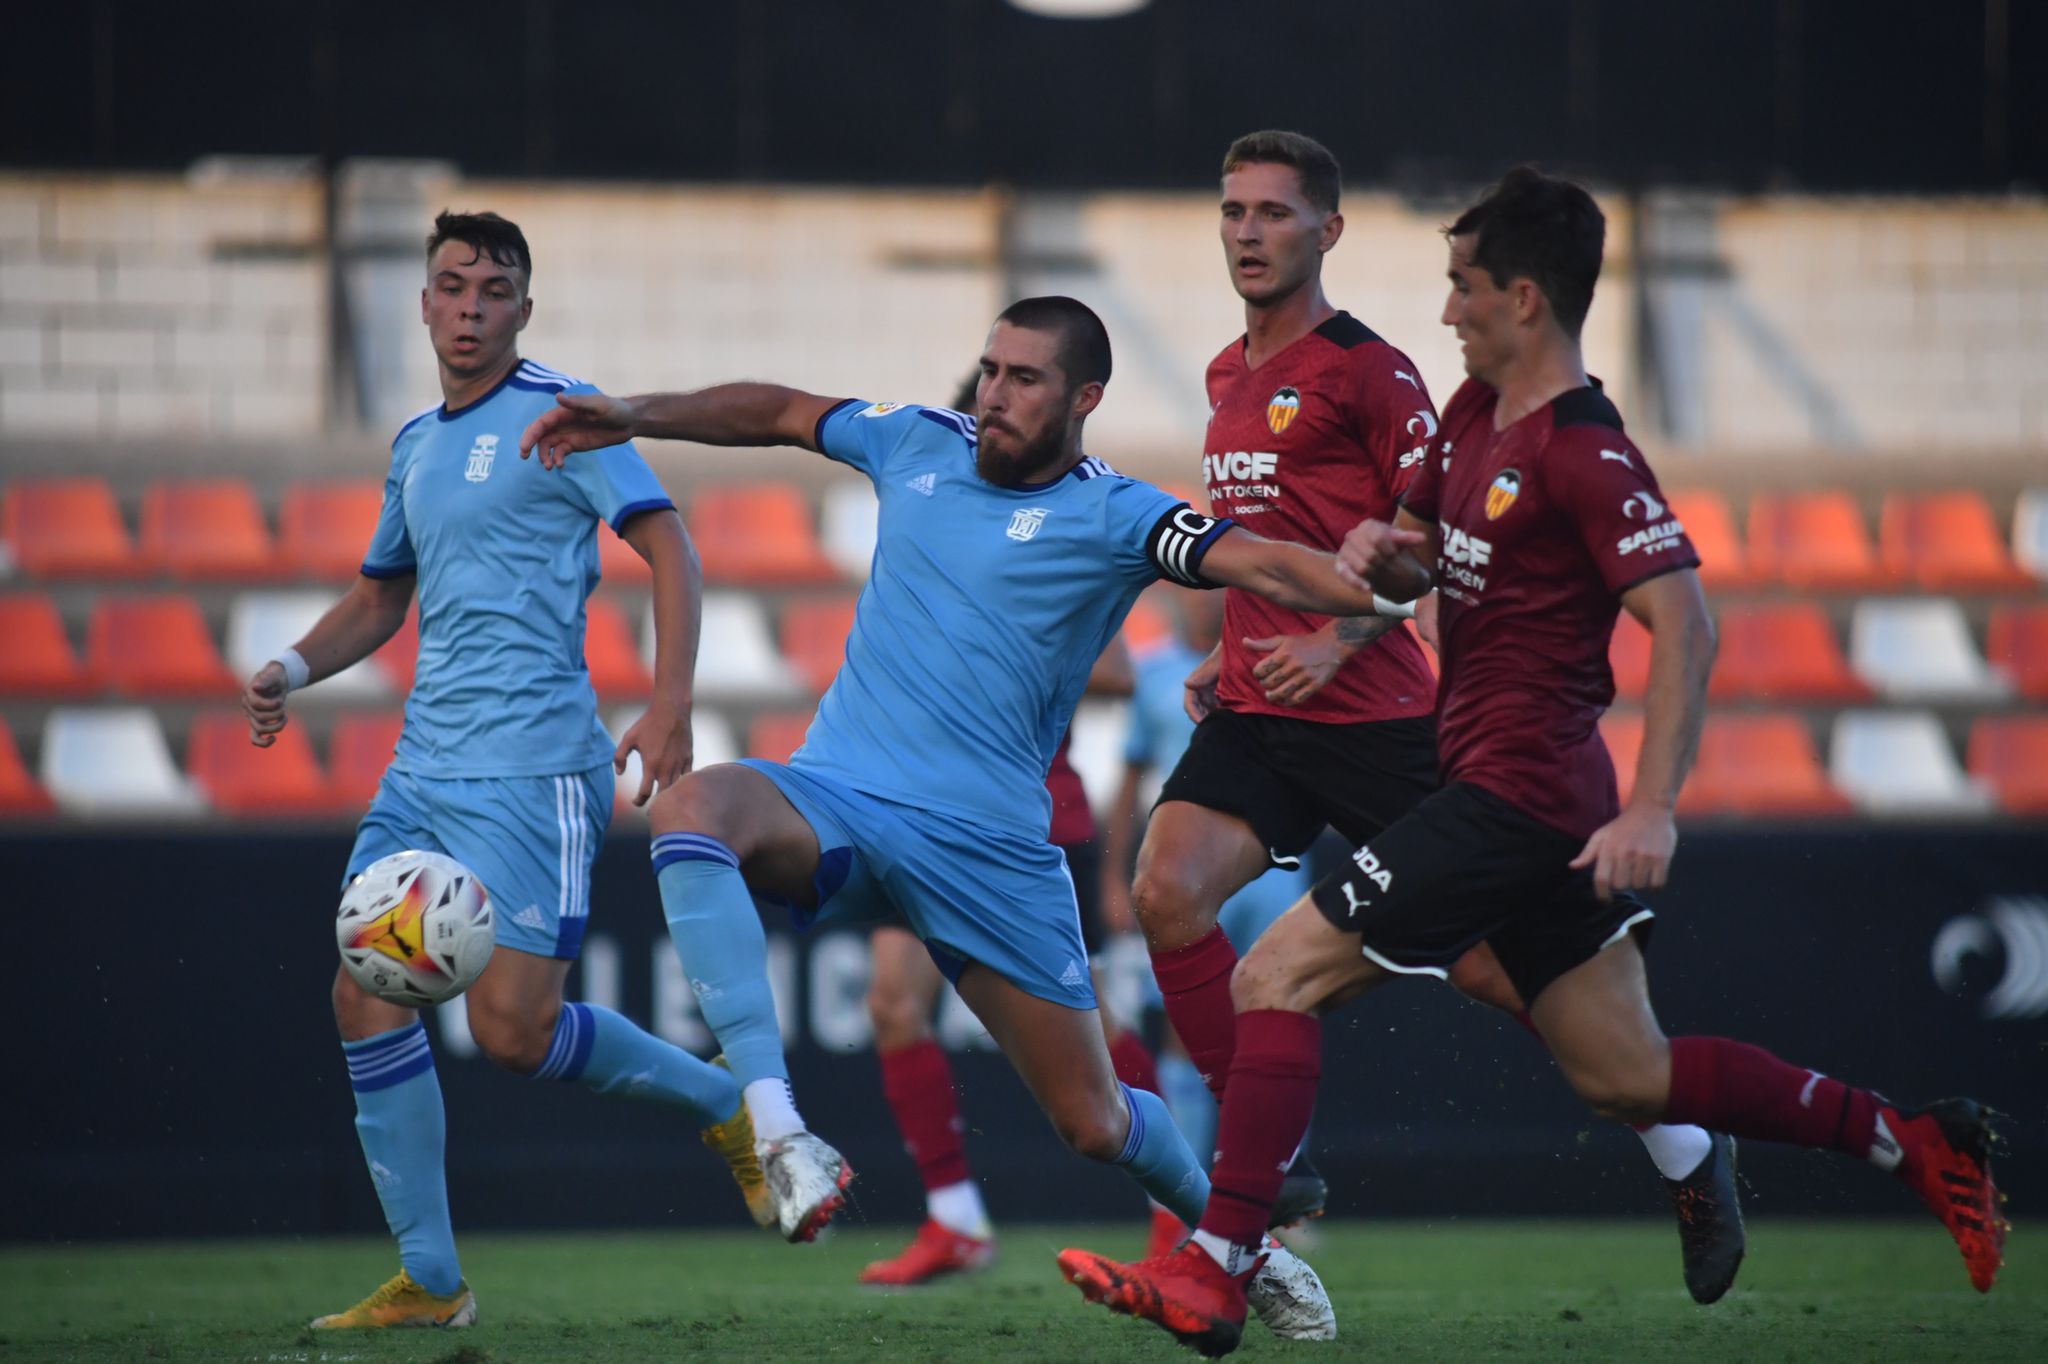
1196, 983
918, 1083
1745, 1091
1133, 1061
1266, 1111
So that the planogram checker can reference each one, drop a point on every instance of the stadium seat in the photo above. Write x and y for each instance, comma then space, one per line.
758, 533
156, 647
1710, 525
399, 658
113, 762
263, 622
2017, 644
20, 797
1760, 765
846, 525
281, 781
2030, 531
1628, 656
206, 530
1782, 653
814, 638
358, 751
1623, 731
37, 659
2009, 754
1900, 763
67, 528
618, 563
615, 667
736, 656
1815, 541
1946, 542
323, 529
1919, 648
777, 734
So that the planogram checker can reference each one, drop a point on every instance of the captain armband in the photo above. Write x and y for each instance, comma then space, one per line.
1179, 540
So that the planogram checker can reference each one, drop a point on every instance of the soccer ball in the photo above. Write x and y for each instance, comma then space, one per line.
415, 928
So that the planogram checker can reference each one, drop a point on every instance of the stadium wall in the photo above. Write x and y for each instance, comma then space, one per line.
175, 1070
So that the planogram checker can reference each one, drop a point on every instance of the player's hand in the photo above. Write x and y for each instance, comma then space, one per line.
1425, 621
1198, 695
263, 703
1372, 546
578, 421
662, 739
1296, 667
1632, 852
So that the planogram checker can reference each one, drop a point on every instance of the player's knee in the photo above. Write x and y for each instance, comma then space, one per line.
1264, 980
689, 806
513, 1039
1620, 1095
1170, 907
1097, 1131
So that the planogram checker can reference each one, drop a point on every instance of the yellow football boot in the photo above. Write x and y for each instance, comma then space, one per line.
733, 1140
402, 1302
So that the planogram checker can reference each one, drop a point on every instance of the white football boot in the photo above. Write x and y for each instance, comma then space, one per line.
807, 1179
1289, 1298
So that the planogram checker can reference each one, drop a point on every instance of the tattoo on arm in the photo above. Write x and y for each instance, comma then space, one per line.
1359, 631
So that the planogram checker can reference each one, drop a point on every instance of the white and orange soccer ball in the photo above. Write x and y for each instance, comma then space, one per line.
415, 928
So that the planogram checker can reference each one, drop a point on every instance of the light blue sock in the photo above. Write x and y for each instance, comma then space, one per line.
403, 1129
1189, 1100
1160, 1159
611, 1054
717, 933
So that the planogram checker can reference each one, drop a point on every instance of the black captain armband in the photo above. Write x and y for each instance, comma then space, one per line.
1178, 541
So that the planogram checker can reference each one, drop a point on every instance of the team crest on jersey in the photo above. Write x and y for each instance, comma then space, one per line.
1282, 408
481, 456
878, 409
1025, 521
1502, 494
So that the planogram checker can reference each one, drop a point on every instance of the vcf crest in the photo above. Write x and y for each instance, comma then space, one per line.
1282, 408
1025, 521
481, 455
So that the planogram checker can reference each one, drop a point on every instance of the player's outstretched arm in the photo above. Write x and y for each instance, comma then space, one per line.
353, 628
1295, 576
661, 736
727, 414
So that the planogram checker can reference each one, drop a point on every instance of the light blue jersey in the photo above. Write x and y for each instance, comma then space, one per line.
985, 610
506, 553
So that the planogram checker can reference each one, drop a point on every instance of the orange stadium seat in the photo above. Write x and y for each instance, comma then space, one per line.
2009, 754
814, 639
1814, 540
156, 647
1710, 525
2017, 645
67, 528
1782, 653
357, 753
1760, 765
37, 659
282, 780
776, 735
206, 529
1628, 655
757, 533
1148, 625
1623, 731
20, 797
1946, 542
618, 563
613, 658
324, 528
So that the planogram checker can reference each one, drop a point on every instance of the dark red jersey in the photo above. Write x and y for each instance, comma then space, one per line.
1544, 526
1072, 821
1322, 436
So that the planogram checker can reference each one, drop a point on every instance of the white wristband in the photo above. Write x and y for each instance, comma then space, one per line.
295, 670
1399, 610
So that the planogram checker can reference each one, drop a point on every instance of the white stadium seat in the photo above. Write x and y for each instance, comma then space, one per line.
846, 526
1919, 648
1095, 747
2030, 531
1900, 763
113, 762
736, 654
262, 623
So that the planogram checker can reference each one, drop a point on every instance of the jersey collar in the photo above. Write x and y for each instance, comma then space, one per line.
447, 414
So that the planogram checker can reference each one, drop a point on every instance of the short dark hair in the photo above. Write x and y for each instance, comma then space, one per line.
1084, 342
1544, 229
489, 234
1322, 179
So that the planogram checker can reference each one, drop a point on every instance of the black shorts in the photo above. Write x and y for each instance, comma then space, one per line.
1084, 862
1465, 867
1288, 778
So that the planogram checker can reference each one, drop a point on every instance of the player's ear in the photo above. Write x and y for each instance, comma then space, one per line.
525, 311
1529, 300
423, 305
1087, 398
1333, 228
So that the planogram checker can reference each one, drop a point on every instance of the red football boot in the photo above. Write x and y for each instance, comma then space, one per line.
1186, 1293
936, 1252
1945, 1156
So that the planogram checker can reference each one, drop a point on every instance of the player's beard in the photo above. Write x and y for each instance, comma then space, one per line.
1007, 470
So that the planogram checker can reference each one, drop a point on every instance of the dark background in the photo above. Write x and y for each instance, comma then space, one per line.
173, 1068
1834, 95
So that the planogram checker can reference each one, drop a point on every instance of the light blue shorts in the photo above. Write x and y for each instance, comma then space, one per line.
530, 840
973, 894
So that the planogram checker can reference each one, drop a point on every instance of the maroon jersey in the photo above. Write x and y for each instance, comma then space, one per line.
1322, 436
1072, 821
1544, 526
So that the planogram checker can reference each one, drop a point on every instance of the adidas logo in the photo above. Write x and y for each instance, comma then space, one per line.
923, 483
530, 918
1073, 977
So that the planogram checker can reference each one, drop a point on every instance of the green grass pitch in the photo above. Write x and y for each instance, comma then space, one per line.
1445, 1291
